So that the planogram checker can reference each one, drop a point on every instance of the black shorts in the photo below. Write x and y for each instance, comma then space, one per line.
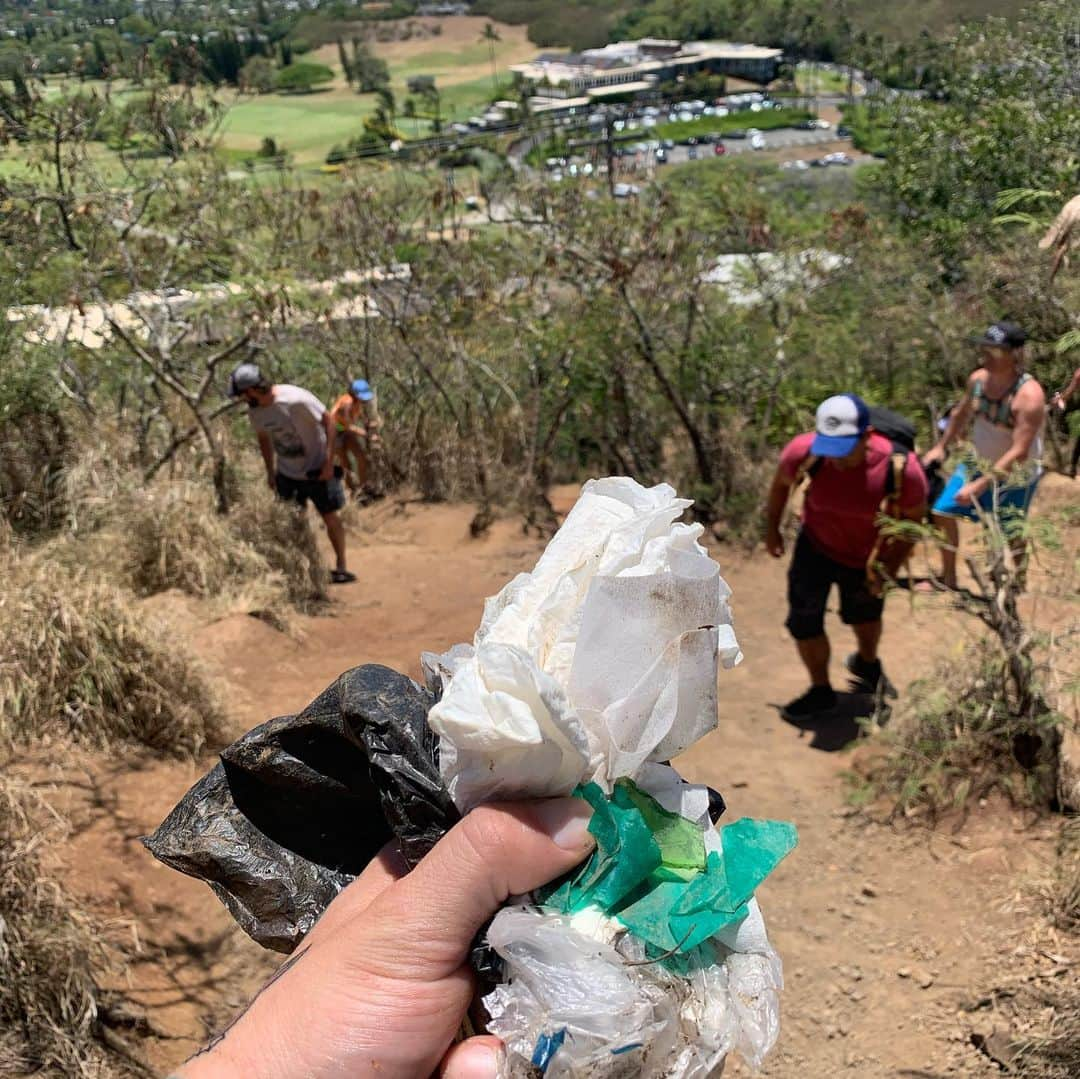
327, 495
810, 577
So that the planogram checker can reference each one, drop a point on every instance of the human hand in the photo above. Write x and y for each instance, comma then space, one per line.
327, 470
968, 493
875, 583
774, 543
933, 456
380, 986
1058, 402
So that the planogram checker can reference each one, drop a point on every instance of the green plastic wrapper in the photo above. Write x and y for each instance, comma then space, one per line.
650, 870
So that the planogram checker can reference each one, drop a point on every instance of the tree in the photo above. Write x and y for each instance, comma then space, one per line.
258, 75
408, 110
369, 72
302, 78
491, 35
432, 98
1014, 85
346, 63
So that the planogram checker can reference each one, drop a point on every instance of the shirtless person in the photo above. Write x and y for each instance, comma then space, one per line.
1008, 407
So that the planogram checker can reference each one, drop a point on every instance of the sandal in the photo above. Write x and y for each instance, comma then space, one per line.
341, 576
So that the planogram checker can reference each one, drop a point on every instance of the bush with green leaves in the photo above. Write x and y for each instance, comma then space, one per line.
302, 77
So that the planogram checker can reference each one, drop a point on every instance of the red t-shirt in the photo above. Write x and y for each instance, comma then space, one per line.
841, 506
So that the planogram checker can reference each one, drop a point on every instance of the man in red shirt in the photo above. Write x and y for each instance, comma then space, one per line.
852, 475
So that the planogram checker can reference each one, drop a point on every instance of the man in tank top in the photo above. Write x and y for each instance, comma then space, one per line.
1005, 408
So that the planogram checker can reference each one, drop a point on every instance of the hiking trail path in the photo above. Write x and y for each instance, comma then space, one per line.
887, 932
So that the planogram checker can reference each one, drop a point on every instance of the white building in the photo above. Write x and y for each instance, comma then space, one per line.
630, 65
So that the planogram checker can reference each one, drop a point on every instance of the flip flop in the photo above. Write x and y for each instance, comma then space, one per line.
341, 576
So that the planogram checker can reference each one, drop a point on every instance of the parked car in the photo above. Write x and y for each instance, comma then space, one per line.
822, 125
843, 131
668, 144
807, 125
798, 166
757, 142
738, 133
719, 149
625, 191
692, 153
661, 156
819, 163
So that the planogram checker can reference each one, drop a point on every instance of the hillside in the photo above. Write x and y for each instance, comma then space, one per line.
587, 23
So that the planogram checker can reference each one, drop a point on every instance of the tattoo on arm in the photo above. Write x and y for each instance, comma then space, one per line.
218, 1038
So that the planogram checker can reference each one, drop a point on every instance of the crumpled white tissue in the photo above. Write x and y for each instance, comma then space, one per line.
627, 615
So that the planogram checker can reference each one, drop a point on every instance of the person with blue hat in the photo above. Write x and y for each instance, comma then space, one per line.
348, 410
855, 474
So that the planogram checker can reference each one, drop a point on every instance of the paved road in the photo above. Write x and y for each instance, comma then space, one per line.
782, 139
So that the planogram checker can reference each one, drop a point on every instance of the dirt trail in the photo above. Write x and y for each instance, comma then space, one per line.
885, 934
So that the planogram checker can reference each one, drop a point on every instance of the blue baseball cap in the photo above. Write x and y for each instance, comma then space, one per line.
841, 421
361, 390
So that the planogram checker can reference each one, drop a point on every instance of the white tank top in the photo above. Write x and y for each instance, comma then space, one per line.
992, 441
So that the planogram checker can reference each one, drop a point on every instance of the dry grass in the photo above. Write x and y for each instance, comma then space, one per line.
176, 540
285, 539
53, 1012
78, 659
1067, 891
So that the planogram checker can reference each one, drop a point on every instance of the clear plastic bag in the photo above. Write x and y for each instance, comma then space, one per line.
578, 1001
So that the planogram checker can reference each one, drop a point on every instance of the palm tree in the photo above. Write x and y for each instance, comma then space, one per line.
491, 35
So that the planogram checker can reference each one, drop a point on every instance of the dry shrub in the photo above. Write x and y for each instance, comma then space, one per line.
284, 537
53, 1012
176, 540
77, 658
959, 738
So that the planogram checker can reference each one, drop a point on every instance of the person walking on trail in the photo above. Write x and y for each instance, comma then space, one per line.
295, 434
347, 411
1008, 407
855, 475
1060, 401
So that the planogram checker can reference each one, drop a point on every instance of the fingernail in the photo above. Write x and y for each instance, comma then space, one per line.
481, 1062
566, 822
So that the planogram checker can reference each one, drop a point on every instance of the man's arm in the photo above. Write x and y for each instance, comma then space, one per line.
779, 492
1029, 413
1063, 396
266, 447
958, 423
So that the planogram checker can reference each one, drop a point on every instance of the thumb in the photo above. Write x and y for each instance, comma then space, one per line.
423, 926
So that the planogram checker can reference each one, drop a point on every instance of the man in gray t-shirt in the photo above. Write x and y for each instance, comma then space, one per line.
295, 432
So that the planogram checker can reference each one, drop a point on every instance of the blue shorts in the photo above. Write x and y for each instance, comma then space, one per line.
1013, 499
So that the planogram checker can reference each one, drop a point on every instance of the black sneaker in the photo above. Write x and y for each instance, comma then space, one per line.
814, 701
869, 677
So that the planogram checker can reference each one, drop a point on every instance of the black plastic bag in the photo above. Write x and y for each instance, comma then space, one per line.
299, 805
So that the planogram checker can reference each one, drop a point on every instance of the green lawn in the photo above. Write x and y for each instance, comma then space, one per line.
305, 125
813, 79
766, 120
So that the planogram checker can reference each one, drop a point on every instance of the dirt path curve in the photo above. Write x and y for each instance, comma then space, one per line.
884, 934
